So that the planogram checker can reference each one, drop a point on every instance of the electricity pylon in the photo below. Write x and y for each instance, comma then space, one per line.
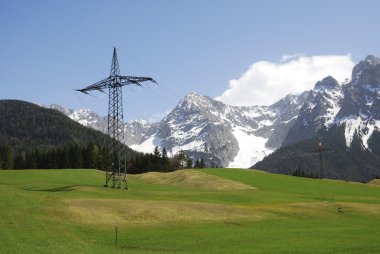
117, 169
320, 150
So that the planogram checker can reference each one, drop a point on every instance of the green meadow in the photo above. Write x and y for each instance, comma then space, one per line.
188, 211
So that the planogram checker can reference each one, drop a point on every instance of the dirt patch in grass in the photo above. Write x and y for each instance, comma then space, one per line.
193, 179
137, 212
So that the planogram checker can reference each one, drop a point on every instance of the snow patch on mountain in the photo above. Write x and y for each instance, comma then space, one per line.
352, 126
148, 145
333, 105
251, 149
360, 126
195, 145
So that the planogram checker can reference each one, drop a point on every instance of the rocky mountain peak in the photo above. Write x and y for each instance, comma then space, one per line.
328, 83
197, 102
372, 60
367, 72
140, 122
194, 98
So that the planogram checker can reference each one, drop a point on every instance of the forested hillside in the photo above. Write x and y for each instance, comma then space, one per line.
36, 137
24, 126
339, 162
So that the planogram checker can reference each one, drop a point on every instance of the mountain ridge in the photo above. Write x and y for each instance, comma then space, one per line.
237, 136
353, 132
209, 129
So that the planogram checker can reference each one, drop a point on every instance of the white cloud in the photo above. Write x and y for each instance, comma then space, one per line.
266, 82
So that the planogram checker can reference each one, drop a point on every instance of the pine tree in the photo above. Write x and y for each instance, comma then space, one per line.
156, 152
181, 159
76, 157
165, 161
92, 153
202, 163
189, 163
197, 164
7, 157
1, 158
31, 159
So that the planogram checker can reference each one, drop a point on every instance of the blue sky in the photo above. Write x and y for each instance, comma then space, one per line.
49, 48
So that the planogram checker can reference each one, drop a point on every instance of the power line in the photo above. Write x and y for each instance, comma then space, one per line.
143, 65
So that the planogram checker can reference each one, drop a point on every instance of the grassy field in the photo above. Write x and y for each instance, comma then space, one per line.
197, 211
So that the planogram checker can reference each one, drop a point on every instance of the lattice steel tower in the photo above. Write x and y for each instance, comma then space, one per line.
117, 169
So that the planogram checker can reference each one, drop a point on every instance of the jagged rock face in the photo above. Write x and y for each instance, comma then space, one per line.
136, 131
347, 118
224, 135
197, 126
362, 93
287, 111
318, 111
360, 112
355, 105
367, 71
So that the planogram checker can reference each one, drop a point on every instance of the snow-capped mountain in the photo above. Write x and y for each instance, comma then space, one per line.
319, 110
233, 136
236, 136
347, 118
355, 104
85, 117
134, 131
360, 112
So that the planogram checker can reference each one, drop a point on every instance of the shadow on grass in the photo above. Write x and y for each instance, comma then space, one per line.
55, 189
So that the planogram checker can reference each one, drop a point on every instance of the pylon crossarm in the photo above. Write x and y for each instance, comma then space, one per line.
127, 80
98, 86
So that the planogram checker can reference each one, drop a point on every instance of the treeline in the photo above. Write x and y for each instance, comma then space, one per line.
93, 156
299, 172
159, 161
68, 156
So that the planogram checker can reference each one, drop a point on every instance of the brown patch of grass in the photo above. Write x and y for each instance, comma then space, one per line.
138, 212
193, 179
375, 182
362, 207
113, 212
326, 208
315, 209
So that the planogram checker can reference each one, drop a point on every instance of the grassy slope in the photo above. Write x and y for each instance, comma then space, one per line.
67, 211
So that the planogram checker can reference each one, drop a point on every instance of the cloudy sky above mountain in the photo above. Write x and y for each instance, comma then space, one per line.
232, 48
266, 82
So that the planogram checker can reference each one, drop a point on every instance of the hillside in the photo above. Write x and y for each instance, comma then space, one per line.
26, 126
353, 164
242, 211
